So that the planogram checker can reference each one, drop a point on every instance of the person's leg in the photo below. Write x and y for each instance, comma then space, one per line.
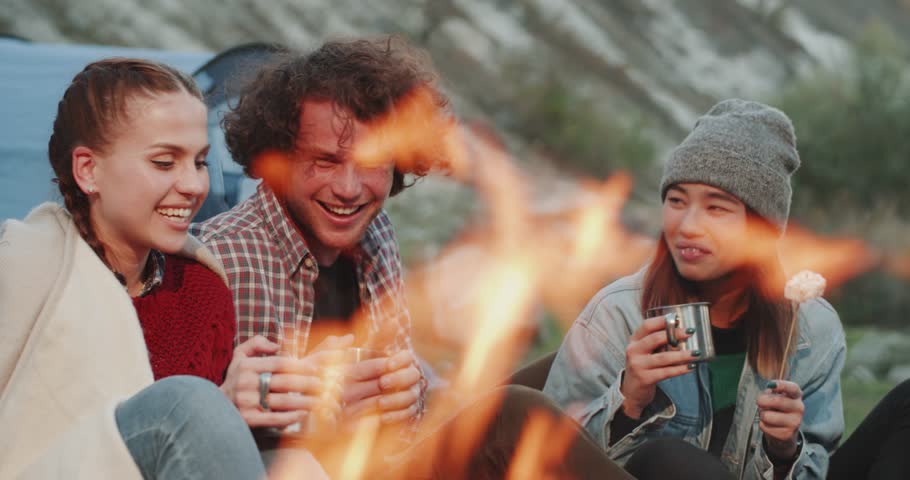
563, 448
268, 442
675, 458
534, 374
285, 457
184, 427
880, 445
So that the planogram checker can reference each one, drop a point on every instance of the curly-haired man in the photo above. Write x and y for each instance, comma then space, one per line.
312, 249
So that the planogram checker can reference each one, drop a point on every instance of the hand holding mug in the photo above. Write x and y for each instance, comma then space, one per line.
646, 365
385, 386
294, 386
695, 318
324, 416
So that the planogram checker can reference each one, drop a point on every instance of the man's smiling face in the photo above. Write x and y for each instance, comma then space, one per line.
331, 198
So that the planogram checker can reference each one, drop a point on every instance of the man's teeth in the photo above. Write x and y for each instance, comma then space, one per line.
180, 213
341, 210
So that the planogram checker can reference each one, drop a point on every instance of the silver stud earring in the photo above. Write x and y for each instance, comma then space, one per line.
91, 189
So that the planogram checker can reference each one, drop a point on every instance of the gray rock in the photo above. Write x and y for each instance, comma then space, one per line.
879, 351
860, 373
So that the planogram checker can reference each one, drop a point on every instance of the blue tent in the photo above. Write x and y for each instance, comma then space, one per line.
33, 77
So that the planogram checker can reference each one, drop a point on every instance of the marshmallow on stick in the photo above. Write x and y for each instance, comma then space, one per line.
802, 287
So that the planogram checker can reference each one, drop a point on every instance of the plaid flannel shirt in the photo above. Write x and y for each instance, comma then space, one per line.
272, 275
157, 276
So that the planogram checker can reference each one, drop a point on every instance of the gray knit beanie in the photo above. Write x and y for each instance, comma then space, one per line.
745, 148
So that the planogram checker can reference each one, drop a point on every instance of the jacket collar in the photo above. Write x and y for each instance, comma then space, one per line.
291, 245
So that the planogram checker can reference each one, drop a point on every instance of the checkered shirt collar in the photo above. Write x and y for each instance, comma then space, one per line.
156, 261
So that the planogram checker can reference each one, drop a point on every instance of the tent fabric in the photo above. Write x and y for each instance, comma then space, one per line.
219, 80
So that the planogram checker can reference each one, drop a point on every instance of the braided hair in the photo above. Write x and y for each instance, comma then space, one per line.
89, 114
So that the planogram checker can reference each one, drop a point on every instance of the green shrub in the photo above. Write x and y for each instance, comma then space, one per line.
853, 129
874, 298
852, 125
554, 115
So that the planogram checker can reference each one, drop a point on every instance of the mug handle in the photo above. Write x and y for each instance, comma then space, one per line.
672, 322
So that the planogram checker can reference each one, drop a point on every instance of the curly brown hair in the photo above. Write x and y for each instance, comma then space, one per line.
366, 77
92, 110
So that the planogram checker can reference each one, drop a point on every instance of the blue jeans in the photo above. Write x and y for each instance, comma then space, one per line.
184, 427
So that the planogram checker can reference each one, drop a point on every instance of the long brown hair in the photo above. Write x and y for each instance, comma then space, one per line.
92, 109
768, 314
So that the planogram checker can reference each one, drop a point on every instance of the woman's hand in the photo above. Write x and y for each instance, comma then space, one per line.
781, 414
645, 366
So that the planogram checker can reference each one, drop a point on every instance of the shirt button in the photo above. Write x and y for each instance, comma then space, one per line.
308, 262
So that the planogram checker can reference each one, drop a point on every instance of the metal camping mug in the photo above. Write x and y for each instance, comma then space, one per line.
358, 354
685, 316
321, 421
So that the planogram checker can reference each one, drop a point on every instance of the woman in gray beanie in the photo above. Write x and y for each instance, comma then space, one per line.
661, 410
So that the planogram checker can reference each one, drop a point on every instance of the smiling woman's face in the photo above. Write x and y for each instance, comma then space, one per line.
152, 178
705, 230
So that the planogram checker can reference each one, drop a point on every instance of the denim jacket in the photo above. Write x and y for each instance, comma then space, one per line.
585, 373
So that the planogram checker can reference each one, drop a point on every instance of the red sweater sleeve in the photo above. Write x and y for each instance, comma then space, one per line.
188, 322
226, 331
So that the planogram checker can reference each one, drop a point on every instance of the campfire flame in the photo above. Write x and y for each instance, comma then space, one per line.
523, 261
542, 447
836, 259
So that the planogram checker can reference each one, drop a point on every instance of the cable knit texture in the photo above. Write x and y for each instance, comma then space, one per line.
188, 322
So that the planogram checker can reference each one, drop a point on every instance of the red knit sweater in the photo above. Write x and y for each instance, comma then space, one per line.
188, 322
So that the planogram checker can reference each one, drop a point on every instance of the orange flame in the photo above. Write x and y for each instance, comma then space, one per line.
597, 248
416, 134
358, 453
294, 463
519, 259
506, 291
610, 197
542, 447
898, 265
836, 259
271, 166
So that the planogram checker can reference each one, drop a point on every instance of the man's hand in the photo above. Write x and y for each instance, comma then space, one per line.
294, 390
388, 387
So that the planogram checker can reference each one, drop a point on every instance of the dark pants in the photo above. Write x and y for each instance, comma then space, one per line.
880, 447
573, 454
676, 459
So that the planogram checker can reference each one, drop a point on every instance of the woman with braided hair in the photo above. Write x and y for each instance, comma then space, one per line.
117, 324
